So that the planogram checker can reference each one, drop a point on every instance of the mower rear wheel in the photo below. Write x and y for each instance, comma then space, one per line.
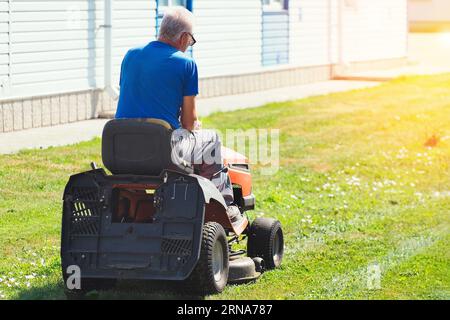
210, 275
265, 240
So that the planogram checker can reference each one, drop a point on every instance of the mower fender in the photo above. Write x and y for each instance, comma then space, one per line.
210, 191
216, 208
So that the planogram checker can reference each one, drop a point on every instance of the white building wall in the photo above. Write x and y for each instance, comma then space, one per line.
429, 10
313, 32
55, 46
134, 25
229, 36
58, 45
4, 45
373, 30
52, 52
334, 31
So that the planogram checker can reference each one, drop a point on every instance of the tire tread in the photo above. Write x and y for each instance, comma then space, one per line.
202, 278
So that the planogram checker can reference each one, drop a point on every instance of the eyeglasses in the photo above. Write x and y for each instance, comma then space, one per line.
193, 39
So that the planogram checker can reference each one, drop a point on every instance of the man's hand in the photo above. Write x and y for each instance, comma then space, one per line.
188, 113
197, 125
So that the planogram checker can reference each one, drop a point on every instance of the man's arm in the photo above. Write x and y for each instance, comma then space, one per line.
188, 113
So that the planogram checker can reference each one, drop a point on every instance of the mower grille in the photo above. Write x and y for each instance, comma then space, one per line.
178, 247
85, 212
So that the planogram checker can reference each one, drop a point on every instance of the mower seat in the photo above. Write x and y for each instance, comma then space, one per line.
137, 146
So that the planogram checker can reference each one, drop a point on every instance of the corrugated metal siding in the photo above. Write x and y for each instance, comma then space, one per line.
229, 36
374, 30
275, 34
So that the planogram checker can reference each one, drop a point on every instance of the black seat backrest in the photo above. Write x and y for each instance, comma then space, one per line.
136, 146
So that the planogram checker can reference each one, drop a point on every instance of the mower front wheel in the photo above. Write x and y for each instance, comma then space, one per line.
265, 240
210, 275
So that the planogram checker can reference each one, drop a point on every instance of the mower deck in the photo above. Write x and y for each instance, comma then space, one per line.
242, 270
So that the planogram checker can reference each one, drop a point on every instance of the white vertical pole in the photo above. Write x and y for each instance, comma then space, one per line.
109, 86
329, 37
7, 84
341, 33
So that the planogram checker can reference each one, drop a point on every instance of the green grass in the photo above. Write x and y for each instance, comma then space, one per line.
356, 188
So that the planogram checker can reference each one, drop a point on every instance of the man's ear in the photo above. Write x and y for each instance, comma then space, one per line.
184, 41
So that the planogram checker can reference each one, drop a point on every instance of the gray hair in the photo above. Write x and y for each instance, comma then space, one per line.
176, 21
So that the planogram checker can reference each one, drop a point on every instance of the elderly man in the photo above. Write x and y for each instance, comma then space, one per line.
159, 81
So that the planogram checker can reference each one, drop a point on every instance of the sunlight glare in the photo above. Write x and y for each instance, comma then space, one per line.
444, 38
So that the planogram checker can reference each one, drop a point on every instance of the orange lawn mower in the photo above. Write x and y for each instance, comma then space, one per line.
147, 221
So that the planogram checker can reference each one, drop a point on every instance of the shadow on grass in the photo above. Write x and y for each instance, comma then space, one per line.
50, 291
124, 290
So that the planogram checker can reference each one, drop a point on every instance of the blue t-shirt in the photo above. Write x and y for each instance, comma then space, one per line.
153, 81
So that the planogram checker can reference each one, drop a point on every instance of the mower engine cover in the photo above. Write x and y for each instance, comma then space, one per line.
166, 247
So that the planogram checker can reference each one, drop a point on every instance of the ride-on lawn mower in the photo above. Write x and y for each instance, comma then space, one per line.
149, 221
